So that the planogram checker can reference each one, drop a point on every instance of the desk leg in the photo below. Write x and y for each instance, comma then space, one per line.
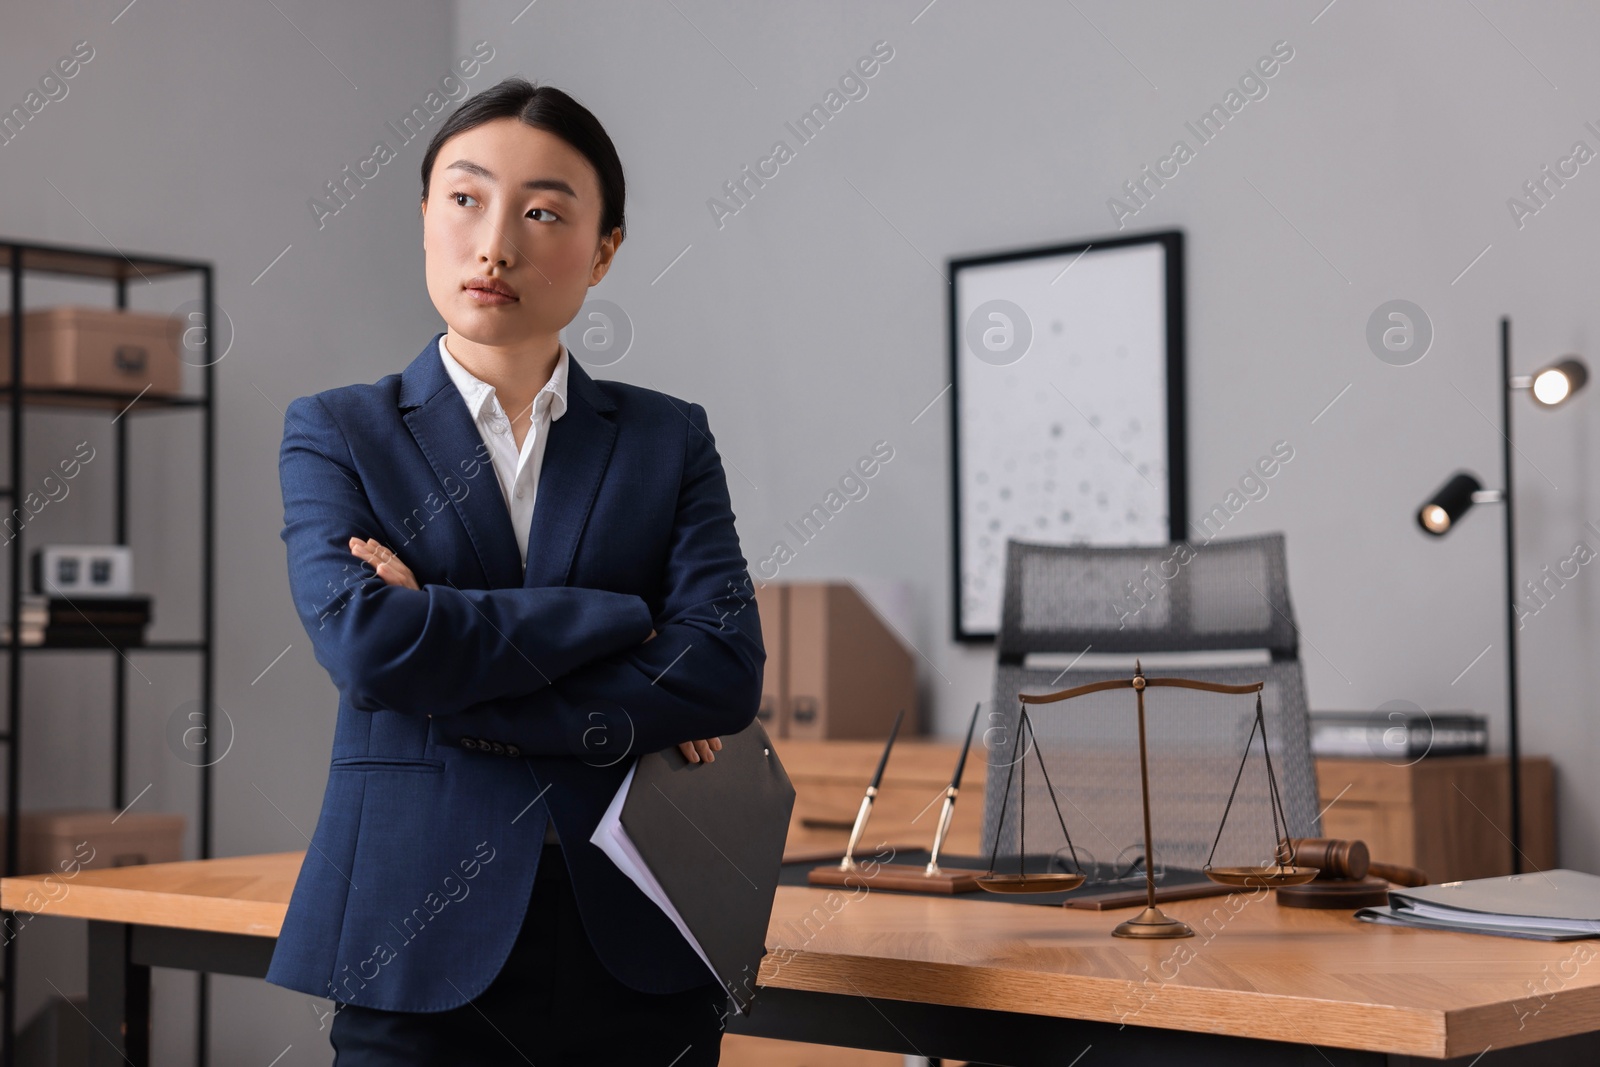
119, 999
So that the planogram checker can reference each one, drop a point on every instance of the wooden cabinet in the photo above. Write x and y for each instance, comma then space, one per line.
1448, 815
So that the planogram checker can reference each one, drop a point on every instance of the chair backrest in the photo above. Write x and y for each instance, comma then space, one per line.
1220, 595
1185, 596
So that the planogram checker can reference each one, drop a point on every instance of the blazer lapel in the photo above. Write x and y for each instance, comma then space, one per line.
437, 416
575, 459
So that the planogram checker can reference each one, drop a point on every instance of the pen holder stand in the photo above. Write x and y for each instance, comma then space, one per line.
905, 876
918, 878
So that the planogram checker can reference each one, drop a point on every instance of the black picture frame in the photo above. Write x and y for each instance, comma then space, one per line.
1172, 244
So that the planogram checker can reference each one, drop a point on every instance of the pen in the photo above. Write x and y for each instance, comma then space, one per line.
849, 861
950, 795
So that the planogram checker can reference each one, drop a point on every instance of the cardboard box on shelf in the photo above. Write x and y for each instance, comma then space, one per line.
72, 347
53, 841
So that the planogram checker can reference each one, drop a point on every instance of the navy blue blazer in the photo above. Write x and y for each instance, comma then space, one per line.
492, 699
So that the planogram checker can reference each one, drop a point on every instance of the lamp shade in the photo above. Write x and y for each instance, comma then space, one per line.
1559, 381
1448, 504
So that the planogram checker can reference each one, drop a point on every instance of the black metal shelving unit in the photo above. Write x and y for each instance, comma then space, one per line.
24, 258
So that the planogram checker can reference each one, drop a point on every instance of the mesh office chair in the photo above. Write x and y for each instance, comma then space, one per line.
1214, 596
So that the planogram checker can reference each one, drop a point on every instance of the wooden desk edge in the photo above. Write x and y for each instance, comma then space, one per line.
1541, 1016
1369, 1027
58, 895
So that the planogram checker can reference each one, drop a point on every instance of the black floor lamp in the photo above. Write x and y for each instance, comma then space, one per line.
1549, 387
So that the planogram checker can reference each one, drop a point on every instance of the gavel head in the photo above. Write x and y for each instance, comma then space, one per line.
1333, 857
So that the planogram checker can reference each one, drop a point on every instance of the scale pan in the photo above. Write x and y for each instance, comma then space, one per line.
1031, 883
1261, 876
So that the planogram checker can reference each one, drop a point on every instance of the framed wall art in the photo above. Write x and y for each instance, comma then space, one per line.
1068, 410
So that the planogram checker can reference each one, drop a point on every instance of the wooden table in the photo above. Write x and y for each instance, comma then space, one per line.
965, 979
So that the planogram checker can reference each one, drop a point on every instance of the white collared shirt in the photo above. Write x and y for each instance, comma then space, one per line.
516, 470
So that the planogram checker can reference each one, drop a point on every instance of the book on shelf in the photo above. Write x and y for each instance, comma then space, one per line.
77, 636
1398, 734
80, 622
99, 609
31, 635
93, 636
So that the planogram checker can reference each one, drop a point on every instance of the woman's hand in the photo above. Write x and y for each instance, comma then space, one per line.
695, 751
385, 562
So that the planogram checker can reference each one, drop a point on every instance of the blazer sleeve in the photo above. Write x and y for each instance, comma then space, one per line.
699, 677
433, 650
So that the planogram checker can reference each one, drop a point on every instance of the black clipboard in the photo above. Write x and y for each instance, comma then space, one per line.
710, 837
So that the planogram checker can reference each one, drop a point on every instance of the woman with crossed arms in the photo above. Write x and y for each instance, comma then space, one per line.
500, 664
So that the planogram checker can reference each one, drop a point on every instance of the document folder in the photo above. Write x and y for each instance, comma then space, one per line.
1558, 905
705, 842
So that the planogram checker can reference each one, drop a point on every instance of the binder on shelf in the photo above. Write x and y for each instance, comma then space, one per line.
704, 841
772, 604
847, 672
1398, 734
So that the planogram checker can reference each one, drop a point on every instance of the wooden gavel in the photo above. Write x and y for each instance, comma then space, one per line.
1342, 860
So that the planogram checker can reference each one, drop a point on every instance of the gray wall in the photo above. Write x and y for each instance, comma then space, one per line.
811, 324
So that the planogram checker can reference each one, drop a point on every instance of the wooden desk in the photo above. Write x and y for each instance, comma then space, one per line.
987, 981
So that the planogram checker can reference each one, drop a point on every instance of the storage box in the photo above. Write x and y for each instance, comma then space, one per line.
70, 347
52, 841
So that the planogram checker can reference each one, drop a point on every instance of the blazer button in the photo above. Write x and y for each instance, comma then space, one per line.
468, 742
497, 748
513, 750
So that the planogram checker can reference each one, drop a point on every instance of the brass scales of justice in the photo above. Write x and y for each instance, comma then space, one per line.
1152, 922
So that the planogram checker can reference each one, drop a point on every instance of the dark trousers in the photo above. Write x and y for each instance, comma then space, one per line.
553, 1003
